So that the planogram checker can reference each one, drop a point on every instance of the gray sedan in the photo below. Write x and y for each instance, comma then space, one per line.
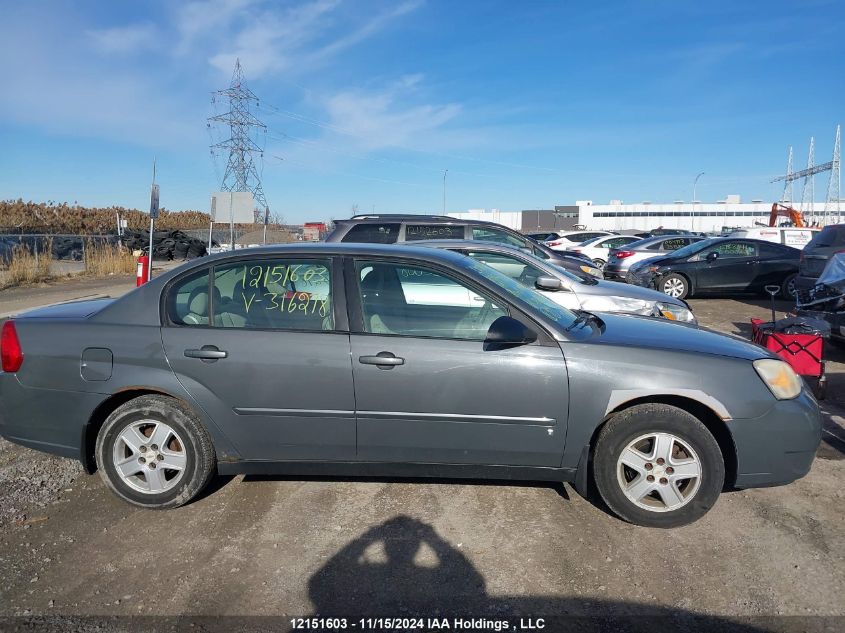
566, 289
321, 359
621, 259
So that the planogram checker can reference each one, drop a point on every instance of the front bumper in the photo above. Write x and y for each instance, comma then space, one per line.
642, 278
779, 446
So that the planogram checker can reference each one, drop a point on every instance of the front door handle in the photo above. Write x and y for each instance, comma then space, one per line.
383, 360
207, 353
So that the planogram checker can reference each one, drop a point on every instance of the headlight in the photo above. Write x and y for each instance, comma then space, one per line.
675, 312
779, 377
590, 270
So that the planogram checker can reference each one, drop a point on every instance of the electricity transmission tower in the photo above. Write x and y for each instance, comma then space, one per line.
240, 174
832, 205
808, 192
786, 198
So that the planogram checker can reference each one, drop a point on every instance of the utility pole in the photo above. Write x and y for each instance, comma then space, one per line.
694, 187
445, 171
154, 204
240, 174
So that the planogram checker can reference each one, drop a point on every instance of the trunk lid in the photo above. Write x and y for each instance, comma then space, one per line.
70, 310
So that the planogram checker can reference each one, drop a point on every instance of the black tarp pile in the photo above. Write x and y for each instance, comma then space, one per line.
166, 244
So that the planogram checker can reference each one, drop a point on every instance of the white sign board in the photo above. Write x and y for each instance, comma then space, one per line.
232, 205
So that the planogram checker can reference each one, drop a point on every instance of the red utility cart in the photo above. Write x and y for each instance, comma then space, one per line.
803, 352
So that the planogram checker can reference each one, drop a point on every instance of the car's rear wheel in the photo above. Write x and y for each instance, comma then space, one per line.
154, 452
674, 285
599, 263
658, 466
788, 289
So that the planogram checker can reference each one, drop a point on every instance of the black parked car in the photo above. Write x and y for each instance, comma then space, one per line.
720, 264
399, 228
814, 257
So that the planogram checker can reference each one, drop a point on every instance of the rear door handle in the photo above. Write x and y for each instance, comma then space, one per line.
207, 353
383, 360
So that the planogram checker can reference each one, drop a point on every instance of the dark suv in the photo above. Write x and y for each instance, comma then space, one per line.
830, 240
392, 229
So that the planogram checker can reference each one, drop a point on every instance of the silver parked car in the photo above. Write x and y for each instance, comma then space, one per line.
621, 259
566, 289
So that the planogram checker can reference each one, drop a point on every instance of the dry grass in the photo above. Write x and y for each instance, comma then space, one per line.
27, 266
102, 259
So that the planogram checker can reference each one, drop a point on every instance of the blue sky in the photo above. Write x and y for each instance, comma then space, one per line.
527, 104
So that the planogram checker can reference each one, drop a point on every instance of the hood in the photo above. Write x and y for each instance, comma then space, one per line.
69, 310
643, 332
619, 289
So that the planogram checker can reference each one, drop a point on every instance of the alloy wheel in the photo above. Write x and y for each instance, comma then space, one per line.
659, 472
149, 456
674, 287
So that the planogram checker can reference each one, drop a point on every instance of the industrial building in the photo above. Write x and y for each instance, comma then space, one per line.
708, 217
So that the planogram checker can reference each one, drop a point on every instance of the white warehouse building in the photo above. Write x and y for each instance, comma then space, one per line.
706, 217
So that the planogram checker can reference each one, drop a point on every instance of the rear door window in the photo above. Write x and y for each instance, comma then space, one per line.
616, 242
674, 244
279, 294
373, 233
415, 232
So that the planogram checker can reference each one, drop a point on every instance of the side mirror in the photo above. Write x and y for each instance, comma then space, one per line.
548, 283
507, 332
712, 256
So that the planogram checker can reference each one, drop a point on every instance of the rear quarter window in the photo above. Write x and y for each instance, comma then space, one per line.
386, 233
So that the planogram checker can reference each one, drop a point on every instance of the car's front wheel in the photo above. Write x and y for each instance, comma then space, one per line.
599, 263
674, 285
658, 466
154, 452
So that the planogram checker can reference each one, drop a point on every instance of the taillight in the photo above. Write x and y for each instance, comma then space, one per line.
555, 243
623, 254
11, 354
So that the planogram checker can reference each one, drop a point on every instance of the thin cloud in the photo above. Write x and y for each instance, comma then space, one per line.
124, 39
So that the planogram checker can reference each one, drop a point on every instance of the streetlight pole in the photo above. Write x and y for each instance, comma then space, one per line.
694, 186
445, 171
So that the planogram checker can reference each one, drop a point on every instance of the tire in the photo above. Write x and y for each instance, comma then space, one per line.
694, 447
186, 446
674, 285
600, 263
788, 289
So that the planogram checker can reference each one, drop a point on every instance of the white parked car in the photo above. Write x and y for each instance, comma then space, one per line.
568, 239
598, 248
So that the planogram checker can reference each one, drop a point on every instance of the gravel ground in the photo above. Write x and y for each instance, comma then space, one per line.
31, 482
276, 545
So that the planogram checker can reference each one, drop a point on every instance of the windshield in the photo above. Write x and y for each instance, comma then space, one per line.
536, 300
692, 249
593, 240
